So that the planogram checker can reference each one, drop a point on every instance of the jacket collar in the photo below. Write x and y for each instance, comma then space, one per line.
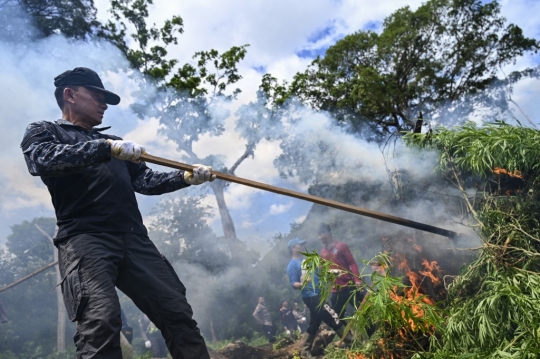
67, 123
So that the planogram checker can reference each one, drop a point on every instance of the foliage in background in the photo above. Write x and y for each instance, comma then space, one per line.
31, 306
73, 19
494, 305
445, 54
481, 149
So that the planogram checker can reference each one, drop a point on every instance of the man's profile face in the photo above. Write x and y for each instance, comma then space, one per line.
325, 237
88, 104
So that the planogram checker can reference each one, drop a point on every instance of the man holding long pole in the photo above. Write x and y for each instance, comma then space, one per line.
92, 178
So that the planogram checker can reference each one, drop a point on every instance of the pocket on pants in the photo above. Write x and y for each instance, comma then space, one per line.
74, 292
168, 264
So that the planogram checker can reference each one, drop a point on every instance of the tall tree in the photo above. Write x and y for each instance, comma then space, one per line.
189, 103
181, 230
444, 55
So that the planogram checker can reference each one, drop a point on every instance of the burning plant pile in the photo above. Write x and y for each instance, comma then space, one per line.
493, 309
407, 287
420, 303
400, 314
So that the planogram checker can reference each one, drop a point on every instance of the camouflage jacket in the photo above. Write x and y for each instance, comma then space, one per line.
90, 190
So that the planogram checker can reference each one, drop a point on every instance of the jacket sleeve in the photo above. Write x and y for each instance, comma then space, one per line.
45, 156
149, 182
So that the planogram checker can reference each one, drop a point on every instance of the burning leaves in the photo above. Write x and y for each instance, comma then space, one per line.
412, 296
397, 306
502, 171
420, 316
493, 307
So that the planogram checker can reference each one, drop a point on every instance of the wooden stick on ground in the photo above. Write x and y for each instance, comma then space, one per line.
307, 197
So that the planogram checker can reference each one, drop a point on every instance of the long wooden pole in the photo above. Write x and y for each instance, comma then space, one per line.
50, 265
307, 197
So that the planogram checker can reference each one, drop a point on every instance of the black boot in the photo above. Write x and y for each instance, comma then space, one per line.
348, 339
306, 346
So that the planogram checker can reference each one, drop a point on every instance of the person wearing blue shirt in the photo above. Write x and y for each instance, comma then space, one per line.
311, 297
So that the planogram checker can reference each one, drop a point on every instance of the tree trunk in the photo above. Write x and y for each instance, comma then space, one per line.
227, 223
61, 328
212, 330
61, 322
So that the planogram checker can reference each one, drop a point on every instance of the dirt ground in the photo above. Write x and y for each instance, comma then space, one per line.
240, 350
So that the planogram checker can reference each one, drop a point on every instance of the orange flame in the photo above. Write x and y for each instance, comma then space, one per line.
412, 299
502, 171
413, 293
430, 268
356, 356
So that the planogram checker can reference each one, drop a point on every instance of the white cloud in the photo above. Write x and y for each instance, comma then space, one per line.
276, 209
300, 219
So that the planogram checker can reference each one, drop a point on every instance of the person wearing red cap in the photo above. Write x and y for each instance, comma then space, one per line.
92, 178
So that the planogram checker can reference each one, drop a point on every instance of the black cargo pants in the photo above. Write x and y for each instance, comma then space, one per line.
93, 264
347, 295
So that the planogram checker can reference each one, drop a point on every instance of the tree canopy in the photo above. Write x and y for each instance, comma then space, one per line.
73, 19
443, 56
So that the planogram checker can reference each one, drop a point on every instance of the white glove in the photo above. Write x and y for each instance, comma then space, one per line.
126, 150
200, 174
148, 344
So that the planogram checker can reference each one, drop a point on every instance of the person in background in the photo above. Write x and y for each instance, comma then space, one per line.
300, 316
311, 297
154, 339
345, 289
287, 318
263, 317
126, 329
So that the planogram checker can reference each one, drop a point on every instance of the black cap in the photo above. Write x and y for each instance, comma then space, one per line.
83, 76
